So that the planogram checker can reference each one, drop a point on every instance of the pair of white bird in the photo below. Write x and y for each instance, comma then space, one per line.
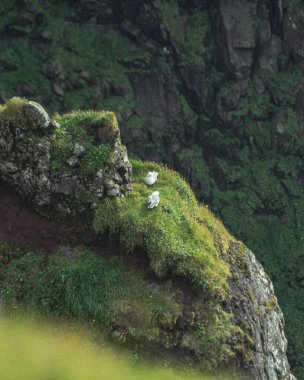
153, 199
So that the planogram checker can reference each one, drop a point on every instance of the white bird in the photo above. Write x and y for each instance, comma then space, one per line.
151, 178
153, 199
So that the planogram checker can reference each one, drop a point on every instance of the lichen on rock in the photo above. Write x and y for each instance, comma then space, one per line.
261, 343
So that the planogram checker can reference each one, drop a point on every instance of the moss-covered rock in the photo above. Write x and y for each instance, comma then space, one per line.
68, 163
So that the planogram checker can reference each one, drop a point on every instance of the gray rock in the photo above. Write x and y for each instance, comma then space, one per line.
235, 33
58, 89
255, 307
268, 57
154, 287
73, 161
79, 149
67, 186
113, 190
36, 115
8, 167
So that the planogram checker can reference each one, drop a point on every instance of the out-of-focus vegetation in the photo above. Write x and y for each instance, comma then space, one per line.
38, 352
79, 285
115, 301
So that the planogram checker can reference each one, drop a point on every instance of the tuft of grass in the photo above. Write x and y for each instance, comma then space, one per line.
92, 120
12, 110
81, 127
179, 235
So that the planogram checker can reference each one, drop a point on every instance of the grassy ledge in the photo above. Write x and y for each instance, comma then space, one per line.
77, 284
180, 236
114, 300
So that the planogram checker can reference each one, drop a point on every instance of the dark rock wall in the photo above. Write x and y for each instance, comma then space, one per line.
213, 88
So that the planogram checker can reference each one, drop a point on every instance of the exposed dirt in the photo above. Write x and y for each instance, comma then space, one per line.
31, 231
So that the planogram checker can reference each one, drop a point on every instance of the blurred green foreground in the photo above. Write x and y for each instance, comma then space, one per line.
31, 352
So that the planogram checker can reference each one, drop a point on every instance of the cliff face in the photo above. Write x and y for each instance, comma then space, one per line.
255, 308
221, 311
212, 88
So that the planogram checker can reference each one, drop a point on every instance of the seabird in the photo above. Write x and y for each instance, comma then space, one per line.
151, 178
153, 200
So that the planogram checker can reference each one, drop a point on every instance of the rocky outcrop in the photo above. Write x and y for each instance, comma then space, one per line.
31, 142
258, 342
213, 88
235, 34
27, 136
256, 310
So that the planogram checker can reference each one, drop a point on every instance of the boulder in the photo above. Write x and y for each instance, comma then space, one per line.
36, 115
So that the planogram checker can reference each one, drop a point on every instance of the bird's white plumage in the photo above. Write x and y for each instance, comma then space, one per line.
153, 199
151, 178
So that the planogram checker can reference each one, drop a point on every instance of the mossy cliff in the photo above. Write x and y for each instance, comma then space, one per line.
212, 88
183, 289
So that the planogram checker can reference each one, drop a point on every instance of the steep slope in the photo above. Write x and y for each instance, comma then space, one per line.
191, 293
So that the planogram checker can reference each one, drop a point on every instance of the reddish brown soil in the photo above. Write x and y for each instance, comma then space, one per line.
31, 231
21, 225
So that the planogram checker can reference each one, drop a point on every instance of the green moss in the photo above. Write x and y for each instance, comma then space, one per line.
12, 110
252, 106
96, 158
187, 114
170, 14
91, 119
81, 128
23, 75
84, 287
198, 42
211, 337
79, 48
109, 296
270, 304
179, 236
8, 252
